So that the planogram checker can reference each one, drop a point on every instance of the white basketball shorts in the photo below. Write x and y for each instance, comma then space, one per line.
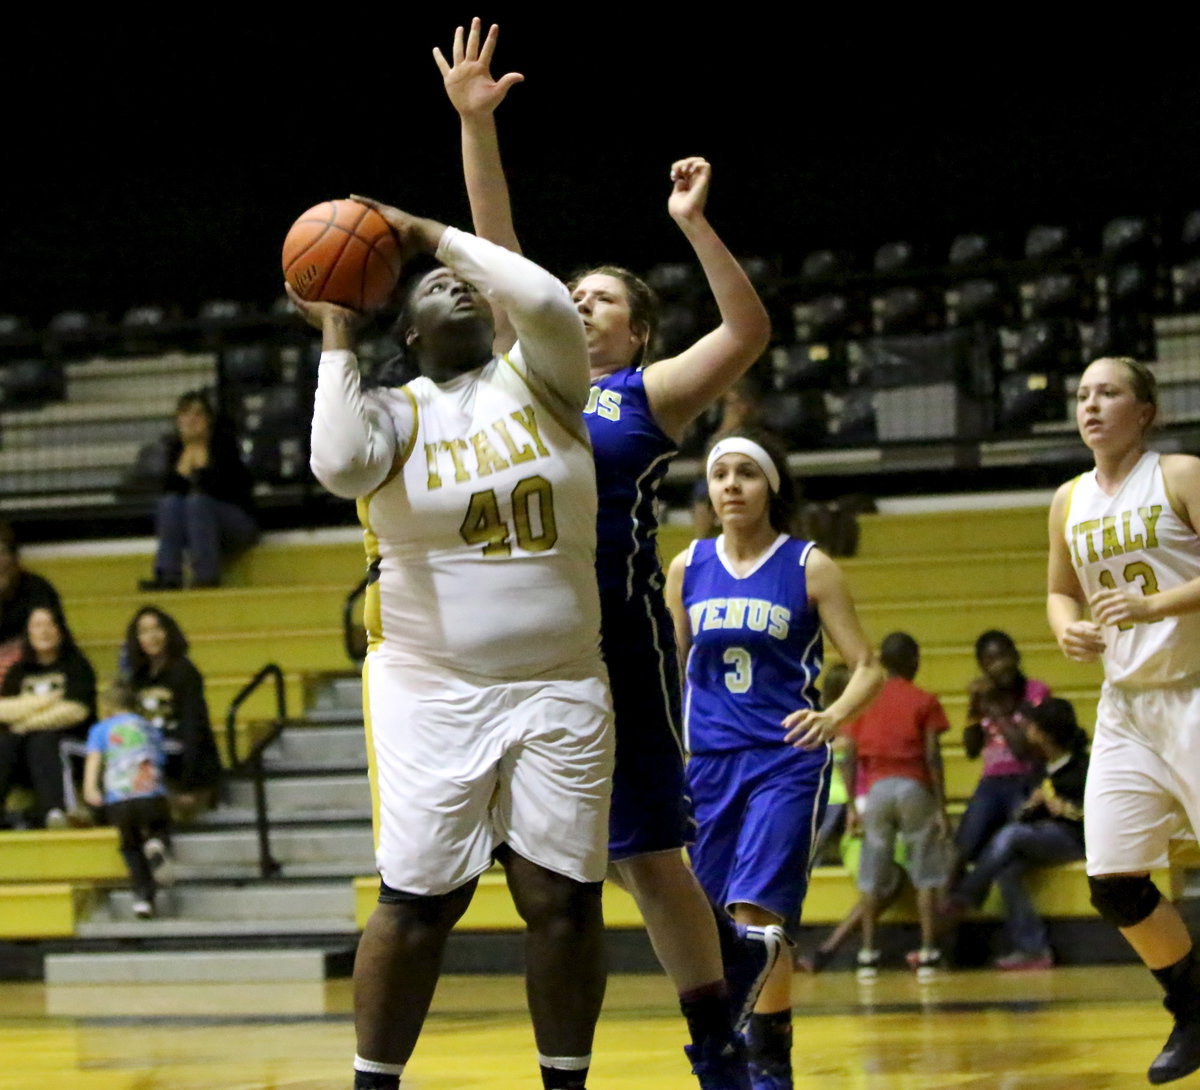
462, 766
1143, 785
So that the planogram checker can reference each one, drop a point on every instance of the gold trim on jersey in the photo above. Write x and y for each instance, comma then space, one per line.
1067, 509
372, 767
1179, 509
576, 429
372, 610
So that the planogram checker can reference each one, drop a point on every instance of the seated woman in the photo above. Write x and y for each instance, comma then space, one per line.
48, 697
169, 693
206, 508
999, 703
1047, 829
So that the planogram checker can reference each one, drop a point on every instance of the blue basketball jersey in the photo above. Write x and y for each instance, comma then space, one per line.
632, 454
756, 646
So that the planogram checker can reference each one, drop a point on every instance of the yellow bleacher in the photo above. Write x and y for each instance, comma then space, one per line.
944, 577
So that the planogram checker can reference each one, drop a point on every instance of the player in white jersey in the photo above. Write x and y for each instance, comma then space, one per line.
1123, 543
489, 721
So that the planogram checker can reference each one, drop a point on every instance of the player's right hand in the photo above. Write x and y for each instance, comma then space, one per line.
1082, 641
468, 81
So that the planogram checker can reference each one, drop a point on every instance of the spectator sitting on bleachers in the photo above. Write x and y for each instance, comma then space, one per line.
169, 693
205, 512
48, 697
998, 707
894, 760
1047, 829
20, 592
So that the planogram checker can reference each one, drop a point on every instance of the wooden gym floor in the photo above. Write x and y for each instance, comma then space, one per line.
1094, 1028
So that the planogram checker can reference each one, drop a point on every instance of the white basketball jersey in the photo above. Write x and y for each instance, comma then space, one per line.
1134, 540
484, 534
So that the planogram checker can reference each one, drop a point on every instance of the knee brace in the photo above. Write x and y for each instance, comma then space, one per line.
1122, 900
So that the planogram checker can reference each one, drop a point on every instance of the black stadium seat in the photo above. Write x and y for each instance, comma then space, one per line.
1049, 344
975, 302
894, 257
901, 310
967, 253
1047, 242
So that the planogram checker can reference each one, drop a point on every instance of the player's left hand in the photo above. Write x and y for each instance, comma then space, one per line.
689, 193
1120, 607
468, 81
808, 728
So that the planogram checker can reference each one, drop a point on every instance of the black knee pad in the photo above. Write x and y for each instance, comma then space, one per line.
1122, 900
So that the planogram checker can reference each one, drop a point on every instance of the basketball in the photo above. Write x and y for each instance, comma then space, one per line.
342, 252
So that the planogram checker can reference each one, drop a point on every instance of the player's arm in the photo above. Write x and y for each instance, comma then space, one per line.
829, 592
682, 387
475, 95
353, 441
354, 438
1181, 475
549, 329
1079, 640
673, 592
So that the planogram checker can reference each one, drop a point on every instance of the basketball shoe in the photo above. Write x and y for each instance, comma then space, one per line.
720, 1065
1181, 1054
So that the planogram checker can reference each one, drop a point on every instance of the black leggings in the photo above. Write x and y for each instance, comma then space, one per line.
137, 820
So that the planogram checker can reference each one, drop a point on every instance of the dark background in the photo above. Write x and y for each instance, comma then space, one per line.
163, 162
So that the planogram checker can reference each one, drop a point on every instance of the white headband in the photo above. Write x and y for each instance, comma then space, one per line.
737, 445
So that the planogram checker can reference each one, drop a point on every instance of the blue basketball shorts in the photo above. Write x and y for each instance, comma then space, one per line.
757, 814
649, 810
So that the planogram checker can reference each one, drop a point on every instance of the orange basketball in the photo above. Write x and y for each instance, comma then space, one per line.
342, 252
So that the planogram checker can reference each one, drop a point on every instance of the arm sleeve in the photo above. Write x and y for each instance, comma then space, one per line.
550, 338
354, 437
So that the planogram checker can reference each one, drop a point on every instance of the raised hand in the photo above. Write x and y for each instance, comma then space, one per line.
689, 192
468, 81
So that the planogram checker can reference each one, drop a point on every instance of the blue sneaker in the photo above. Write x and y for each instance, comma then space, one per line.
720, 1066
749, 962
772, 1077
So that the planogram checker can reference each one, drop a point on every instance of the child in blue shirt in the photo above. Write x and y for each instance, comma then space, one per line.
123, 774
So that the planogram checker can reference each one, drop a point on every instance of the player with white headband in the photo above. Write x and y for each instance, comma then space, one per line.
750, 608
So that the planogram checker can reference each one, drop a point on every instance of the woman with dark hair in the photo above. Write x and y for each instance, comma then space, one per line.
749, 609
1047, 828
206, 508
169, 693
997, 711
48, 697
637, 415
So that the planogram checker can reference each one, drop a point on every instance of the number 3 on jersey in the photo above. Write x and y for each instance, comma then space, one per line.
483, 525
740, 674
1135, 572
